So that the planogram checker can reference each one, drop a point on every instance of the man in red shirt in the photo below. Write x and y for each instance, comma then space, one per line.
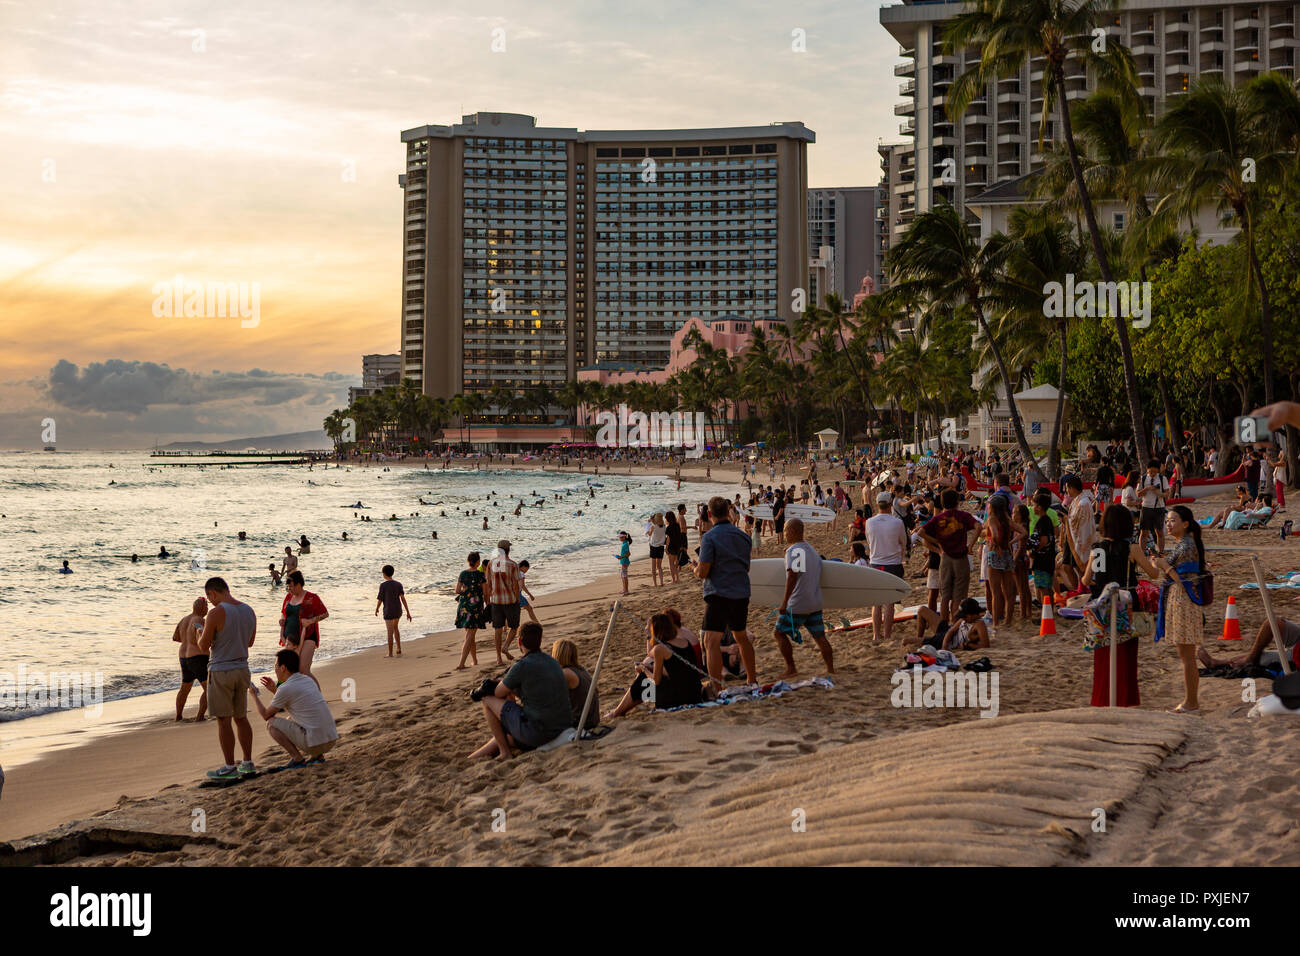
501, 591
951, 532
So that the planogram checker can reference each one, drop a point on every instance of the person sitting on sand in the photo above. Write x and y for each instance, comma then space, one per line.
801, 605
307, 730
578, 679
1263, 644
529, 706
670, 681
968, 632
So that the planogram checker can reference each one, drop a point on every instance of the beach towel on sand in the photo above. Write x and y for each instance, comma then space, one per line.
766, 691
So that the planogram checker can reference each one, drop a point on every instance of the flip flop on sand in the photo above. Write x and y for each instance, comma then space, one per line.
1180, 709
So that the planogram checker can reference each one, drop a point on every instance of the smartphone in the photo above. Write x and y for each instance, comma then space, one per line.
1251, 430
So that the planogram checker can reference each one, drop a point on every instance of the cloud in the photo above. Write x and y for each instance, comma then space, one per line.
133, 387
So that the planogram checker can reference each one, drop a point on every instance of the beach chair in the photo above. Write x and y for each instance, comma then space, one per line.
1237, 521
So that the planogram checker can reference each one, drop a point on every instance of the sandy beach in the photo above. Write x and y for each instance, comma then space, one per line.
816, 776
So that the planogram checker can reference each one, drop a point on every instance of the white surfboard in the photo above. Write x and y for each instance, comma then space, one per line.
760, 512
843, 584
809, 514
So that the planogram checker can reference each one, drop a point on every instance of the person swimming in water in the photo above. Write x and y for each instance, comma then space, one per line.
275, 575
162, 551
345, 536
135, 558
65, 569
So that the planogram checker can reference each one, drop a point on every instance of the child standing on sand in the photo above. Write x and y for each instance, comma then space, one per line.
624, 556
524, 593
392, 599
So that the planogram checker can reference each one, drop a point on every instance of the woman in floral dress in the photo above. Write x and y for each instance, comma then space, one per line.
1183, 618
471, 609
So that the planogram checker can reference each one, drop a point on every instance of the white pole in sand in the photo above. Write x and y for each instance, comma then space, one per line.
1272, 618
595, 675
1114, 642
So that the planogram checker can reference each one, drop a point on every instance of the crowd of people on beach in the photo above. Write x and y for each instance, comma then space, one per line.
971, 517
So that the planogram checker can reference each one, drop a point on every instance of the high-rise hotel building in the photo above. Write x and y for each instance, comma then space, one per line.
530, 252
996, 140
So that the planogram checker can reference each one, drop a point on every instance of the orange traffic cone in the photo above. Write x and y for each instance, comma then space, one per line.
1231, 626
1047, 624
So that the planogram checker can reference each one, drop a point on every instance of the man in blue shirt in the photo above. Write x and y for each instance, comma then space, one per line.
724, 569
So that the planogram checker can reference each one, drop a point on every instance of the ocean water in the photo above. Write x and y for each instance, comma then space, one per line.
115, 618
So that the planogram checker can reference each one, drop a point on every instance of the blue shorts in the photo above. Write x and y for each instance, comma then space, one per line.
788, 623
526, 735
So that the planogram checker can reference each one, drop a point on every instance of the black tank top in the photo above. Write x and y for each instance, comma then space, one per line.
681, 683
1120, 567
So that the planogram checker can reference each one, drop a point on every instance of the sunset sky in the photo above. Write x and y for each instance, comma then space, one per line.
219, 142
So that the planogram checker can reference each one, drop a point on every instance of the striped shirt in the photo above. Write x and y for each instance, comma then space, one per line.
504, 580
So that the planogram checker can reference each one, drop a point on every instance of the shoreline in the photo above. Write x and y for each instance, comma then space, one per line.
57, 776
559, 570
716, 785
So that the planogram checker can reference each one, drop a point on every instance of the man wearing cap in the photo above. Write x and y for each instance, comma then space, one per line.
501, 591
886, 547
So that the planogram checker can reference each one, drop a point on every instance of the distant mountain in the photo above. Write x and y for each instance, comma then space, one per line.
296, 441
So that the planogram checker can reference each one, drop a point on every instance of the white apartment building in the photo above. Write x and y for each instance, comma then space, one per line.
981, 161
996, 140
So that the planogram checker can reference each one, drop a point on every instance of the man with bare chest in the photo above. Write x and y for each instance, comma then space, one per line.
194, 663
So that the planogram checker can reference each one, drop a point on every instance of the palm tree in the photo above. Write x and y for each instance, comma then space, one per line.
1218, 148
939, 256
570, 395
1011, 32
499, 399
334, 426
843, 327
1042, 250
478, 404
458, 406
